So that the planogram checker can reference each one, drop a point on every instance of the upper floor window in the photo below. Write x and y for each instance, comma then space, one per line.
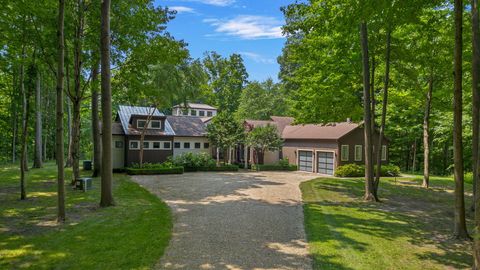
193, 112
157, 124
141, 123
209, 113
384, 152
154, 124
358, 152
201, 113
345, 152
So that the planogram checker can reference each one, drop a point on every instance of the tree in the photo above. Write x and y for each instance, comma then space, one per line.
475, 129
59, 115
225, 132
106, 173
38, 160
97, 149
460, 228
262, 139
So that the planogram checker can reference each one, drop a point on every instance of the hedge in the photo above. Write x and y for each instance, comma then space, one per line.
354, 170
154, 171
273, 167
222, 168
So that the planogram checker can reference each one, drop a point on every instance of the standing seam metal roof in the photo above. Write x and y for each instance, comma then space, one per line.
126, 112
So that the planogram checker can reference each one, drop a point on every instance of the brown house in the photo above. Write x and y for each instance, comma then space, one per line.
322, 148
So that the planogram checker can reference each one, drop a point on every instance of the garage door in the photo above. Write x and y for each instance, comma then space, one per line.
325, 162
305, 161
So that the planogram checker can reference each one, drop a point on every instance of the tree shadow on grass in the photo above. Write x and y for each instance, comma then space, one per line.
422, 218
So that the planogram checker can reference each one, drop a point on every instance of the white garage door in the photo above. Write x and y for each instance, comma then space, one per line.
325, 162
305, 161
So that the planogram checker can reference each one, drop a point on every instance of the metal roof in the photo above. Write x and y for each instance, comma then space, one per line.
126, 112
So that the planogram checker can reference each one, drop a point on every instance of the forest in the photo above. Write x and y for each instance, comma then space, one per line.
410, 69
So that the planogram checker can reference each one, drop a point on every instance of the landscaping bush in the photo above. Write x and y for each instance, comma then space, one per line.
350, 170
221, 168
193, 161
354, 170
282, 165
154, 171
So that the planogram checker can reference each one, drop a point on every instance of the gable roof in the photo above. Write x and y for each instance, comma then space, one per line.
126, 112
196, 106
188, 126
279, 121
331, 131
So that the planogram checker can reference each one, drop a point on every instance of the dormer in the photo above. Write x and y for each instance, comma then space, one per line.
194, 109
139, 121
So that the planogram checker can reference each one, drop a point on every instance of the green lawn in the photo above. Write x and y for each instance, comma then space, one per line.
131, 235
410, 229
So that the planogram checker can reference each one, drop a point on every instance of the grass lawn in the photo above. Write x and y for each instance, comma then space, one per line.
131, 235
410, 229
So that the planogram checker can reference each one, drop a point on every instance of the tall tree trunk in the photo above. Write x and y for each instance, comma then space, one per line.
426, 133
69, 161
59, 116
460, 228
367, 114
97, 150
14, 120
414, 156
378, 149
23, 151
476, 127
107, 175
218, 156
38, 160
75, 145
46, 128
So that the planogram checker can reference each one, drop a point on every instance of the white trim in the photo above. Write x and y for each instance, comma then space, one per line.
361, 152
325, 151
133, 148
347, 158
150, 145
149, 124
313, 158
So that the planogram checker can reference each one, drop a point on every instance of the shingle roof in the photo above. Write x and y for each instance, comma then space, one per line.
188, 126
126, 112
196, 106
332, 131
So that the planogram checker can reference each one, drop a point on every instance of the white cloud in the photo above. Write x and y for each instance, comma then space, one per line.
220, 3
249, 27
182, 9
257, 58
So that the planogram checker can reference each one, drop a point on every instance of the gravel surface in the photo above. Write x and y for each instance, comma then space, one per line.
241, 220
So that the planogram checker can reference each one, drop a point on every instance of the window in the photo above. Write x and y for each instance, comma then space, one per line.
358, 152
193, 112
167, 145
156, 145
185, 112
201, 113
345, 152
146, 145
206, 145
186, 145
384, 152
118, 144
209, 113
156, 124
176, 145
134, 145
198, 145
141, 123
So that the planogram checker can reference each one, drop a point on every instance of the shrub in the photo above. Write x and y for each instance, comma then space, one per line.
281, 165
222, 168
350, 170
154, 171
354, 170
193, 161
166, 164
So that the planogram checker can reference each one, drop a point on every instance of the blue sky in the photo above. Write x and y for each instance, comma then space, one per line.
248, 27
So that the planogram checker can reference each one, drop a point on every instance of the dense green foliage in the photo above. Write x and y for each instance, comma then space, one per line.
193, 161
92, 237
354, 170
410, 230
262, 139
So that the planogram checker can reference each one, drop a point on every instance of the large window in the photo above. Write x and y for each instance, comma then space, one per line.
345, 152
384, 152
358, 152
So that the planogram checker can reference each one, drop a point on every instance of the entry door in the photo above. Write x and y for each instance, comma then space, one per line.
305, 161
325, 162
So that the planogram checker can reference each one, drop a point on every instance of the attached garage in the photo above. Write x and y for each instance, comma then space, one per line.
305, 161
325, 162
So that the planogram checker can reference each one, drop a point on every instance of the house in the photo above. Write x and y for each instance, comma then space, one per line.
190, 135
165, 136
194, 109
322, 148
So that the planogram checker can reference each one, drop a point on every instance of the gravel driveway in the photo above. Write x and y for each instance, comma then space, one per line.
241, 220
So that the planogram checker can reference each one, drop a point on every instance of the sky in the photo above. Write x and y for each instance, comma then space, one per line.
251, 28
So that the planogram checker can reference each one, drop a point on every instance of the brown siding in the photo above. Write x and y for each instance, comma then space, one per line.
149, 156
356, 137
142, 117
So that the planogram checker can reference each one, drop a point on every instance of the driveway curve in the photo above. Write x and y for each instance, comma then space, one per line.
243, 220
